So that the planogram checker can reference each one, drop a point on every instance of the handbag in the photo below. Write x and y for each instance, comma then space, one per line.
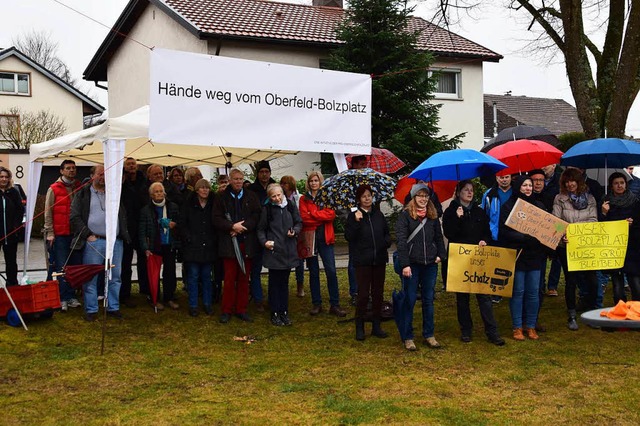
306, 244
396, 257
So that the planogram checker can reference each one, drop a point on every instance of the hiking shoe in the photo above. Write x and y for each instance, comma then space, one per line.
224, 318
74, 303
337, 311
115, 314
300, 292
275, 320
317, 309
91, 317
517, 334
208, 309
284, 317
244, 317
531, 333
552, 293
64, 306
497, 340
432, 343
193, 312
572, 324
465, 339
173, 305
410, 345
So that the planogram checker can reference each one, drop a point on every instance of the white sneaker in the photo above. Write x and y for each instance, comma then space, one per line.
64, 306
74, 303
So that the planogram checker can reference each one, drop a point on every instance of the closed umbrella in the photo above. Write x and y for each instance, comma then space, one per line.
525, 155
401, 310
154, 264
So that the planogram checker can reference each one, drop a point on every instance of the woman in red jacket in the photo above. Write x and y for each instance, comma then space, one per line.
317, 238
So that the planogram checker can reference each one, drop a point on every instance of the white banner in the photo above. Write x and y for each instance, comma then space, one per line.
218, 101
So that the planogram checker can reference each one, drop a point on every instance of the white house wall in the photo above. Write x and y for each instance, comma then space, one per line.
45, 95
466, 113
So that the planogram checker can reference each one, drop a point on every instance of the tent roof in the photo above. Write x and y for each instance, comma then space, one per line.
86, 145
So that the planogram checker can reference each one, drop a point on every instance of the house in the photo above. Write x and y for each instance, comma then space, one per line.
294, 34
26, 85
555, 115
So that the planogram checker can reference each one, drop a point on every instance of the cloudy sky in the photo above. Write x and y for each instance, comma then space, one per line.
521, 71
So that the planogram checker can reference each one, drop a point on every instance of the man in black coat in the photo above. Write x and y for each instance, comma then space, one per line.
236, 213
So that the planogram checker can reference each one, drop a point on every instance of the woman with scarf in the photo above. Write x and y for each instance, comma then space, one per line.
622, 204
278, 228
368, 235
465, 222
574, 204
526, 282
198, 245
317, 238
11, 213
158, 221
288, 184
420, 249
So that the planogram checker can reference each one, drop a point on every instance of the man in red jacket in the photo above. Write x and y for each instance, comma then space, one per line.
57, 229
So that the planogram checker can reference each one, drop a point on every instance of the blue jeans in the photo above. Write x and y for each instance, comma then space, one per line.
199, 272
255, 283
554, 273
93, 254
325, 251
351, 272
426, 275
61, 251
526, 285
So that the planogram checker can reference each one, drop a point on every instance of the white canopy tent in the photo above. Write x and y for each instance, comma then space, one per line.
113, 141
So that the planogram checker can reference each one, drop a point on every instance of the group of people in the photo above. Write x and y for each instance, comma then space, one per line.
223, 241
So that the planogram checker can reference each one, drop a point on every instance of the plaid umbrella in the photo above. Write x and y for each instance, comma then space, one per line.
381, 160
77, 275
339, 191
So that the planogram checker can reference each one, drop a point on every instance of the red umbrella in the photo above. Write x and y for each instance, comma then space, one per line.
381, 160
77, 275
525, 155
443, 188
154, 264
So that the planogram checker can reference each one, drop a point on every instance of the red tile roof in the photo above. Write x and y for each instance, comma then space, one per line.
303, 23
270, 21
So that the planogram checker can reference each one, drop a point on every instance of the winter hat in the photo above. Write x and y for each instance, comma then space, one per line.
419, 187
264, 164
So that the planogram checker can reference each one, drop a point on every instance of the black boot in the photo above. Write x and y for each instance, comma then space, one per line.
359, 329
377, 330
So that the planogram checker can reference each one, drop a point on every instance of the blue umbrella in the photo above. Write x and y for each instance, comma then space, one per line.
602, 153
458, 164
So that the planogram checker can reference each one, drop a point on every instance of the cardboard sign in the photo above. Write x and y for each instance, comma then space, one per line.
484, 270
595, 246
531, 220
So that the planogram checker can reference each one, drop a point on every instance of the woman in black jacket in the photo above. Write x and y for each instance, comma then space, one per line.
419, 257
526, 283
11, 213
198, 245
368, 235
278, 228
465, 223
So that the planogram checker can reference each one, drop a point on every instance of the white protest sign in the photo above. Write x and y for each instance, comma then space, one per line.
209, 100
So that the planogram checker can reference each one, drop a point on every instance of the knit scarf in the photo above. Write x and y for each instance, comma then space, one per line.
579, 201
627, 199
421, 213
163, 229
283, 204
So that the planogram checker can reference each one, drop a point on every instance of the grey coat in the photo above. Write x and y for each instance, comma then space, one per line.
273, 226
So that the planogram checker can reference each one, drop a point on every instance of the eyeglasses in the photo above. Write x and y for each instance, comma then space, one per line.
422, 196
537, 180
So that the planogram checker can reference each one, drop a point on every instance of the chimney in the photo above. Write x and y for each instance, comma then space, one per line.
328, 3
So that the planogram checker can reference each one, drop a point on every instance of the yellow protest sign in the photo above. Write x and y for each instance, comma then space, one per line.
531, 220
597, 245
484, 270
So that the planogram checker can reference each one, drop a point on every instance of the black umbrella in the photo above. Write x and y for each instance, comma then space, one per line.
521, 132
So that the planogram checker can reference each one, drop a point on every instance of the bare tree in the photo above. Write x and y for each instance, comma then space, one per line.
605, 79
39, 46
20, 129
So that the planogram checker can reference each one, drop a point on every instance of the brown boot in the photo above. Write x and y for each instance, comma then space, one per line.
316, 310
300, 289
531, 333
338, 311
517, 334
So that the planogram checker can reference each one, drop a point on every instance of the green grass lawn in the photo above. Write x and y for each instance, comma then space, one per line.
169, 368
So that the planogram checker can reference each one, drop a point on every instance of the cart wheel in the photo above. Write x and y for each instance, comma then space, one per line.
12, 318
48, 314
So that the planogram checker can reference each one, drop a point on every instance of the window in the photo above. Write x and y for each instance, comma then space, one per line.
13, 83
448, 84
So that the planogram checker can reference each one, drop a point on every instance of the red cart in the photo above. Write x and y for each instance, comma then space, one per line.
33, 300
